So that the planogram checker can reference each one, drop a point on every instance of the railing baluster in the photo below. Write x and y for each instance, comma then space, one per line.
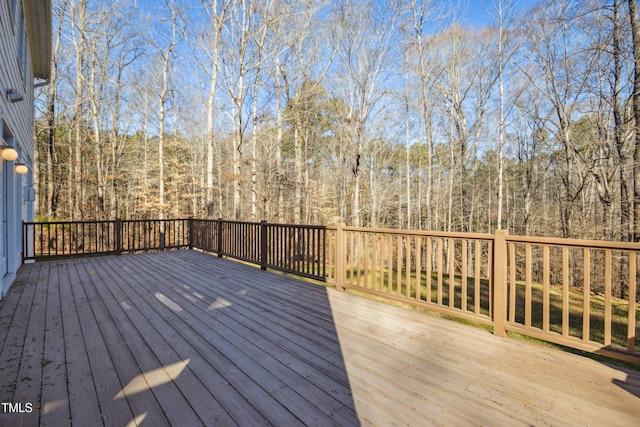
389, 241
409, 247
429, 266
440, 268
527, 280
399, 255
418, 268
631, 308
365, 259
463, 275
607, 297
546, 280
586, 291
452, 273
565, 291
476, 283
513, 286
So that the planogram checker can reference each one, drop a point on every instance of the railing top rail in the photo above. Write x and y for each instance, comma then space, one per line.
233, 221
577, 243
309, 226
153, 219
92, 221
102, 221
447, 234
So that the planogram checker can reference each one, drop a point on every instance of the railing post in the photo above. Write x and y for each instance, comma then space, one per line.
118, 236
190, 232
499, 282
263, 245
219, 237
341, 255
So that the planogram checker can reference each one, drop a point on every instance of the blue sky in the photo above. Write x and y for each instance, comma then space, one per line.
478, 12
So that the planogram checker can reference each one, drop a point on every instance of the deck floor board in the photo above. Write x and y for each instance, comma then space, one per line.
185, 338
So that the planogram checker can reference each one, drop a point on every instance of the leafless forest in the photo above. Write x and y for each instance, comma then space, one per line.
378, 113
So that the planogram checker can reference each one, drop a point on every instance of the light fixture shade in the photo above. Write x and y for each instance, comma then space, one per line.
9, 154
14, 95
21, 168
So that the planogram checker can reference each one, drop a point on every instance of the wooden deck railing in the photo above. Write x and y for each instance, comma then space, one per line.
42, 240
298, 249
577, 293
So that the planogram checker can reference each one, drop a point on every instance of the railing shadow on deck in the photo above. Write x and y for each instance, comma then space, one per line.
565, 291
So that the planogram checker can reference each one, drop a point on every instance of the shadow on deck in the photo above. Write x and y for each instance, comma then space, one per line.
184, 338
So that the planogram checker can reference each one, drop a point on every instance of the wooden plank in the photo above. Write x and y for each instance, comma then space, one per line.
153, 342
118, 334
556, 368
329, 352
259, 385
21, 296
83, 399
13, 345
151, 325
29, 375
296, 373
105, 378
54, 408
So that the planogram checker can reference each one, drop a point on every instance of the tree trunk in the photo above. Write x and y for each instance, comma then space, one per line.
635, 31
618, 130
78, 121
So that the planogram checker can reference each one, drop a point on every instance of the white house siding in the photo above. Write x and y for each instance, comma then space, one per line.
16, 124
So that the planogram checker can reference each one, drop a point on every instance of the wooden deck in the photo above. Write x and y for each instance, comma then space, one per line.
183, 338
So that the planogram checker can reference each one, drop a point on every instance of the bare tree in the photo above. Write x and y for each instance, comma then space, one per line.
217, 12
559, 67
168, 43
425, 12
635, 31
367, 32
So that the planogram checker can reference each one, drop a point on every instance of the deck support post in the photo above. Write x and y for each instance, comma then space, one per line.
191, 232
263, 245
499, 282
341, 256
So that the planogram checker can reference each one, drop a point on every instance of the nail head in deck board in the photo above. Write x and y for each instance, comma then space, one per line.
390, 364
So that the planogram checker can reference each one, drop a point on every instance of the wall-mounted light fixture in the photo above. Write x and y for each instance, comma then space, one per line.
14, 95
9, 153
21, 168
